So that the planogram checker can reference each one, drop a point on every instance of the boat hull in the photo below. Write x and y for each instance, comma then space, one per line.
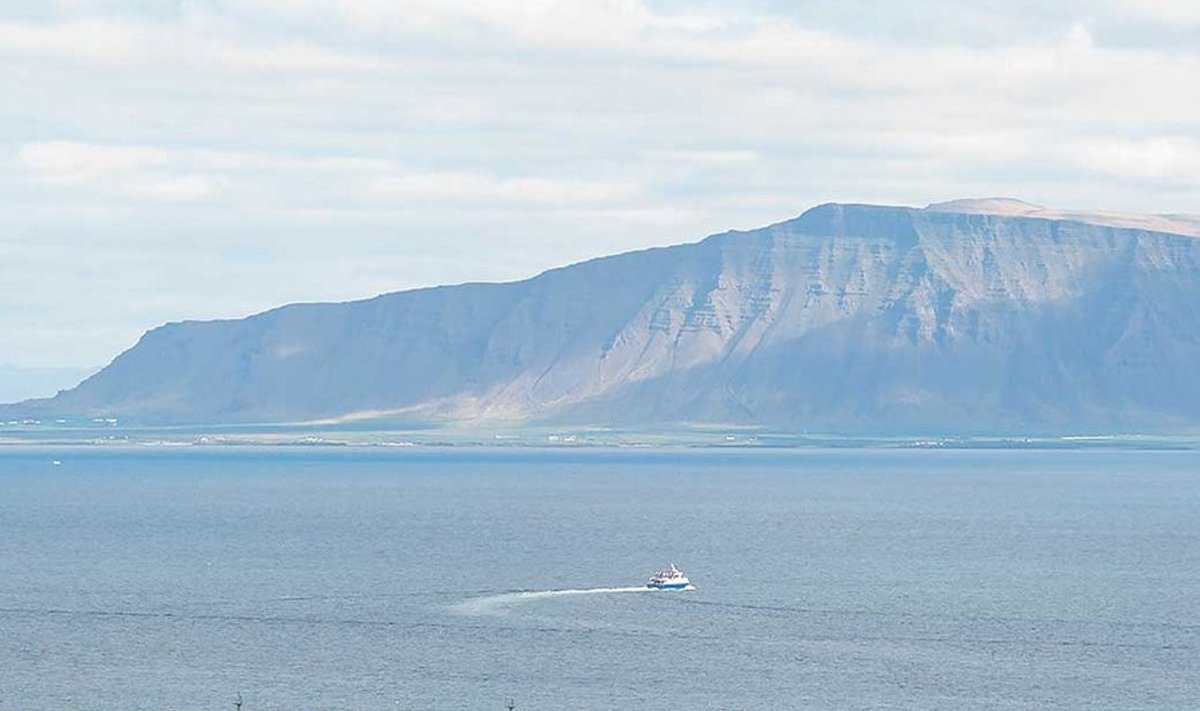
670, 586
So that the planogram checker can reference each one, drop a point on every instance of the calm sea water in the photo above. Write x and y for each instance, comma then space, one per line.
383, 579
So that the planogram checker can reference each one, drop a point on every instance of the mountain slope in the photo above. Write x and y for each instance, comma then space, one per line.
964, 316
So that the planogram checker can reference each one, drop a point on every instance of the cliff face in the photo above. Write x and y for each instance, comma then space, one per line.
966, 317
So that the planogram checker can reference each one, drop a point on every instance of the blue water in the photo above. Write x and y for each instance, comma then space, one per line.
390, 579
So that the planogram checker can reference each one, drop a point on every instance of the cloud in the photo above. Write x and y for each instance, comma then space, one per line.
1159, 159
131, 171
73, 162
106, 40
186, 175
472, 188
194, 43
312, 149
702, 156
1176, 12
294, 57
571, 24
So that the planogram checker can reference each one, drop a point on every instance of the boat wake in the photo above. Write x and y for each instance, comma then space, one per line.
495, 604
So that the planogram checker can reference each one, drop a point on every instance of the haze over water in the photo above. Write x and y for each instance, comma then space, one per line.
422, 579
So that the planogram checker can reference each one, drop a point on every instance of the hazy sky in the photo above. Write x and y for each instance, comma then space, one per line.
176, 159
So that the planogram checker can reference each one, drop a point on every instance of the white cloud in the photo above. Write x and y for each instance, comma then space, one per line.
470, 188
1160, 159
294, 57
131, 171
312, 149
703, 156
1179, 12
85, 39
571, 24
184, 175
73, 162
173, 188
183, 42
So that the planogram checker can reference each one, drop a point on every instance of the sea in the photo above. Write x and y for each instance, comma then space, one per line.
356, 578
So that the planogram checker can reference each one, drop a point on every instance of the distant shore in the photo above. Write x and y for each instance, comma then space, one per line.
113, 434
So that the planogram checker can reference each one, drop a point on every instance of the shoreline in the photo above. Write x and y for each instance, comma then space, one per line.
574, 440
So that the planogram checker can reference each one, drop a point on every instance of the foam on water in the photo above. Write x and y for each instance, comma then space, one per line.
492, 604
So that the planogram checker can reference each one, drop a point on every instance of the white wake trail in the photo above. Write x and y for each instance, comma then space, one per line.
491, 604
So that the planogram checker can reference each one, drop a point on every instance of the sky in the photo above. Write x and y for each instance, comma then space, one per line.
197, 159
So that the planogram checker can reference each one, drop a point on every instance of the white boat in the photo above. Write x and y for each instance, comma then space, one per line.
670, 579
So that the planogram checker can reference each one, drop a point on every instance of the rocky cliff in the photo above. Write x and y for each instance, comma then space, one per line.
969, 316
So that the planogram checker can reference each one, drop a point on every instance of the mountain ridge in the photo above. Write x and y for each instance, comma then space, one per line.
958, 316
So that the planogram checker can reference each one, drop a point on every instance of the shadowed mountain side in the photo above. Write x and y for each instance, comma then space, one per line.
309, 361
1043, 380
848, 318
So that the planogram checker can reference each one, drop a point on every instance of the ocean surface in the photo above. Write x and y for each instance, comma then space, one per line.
427, 578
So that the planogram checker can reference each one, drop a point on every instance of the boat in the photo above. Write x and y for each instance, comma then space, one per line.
670, 579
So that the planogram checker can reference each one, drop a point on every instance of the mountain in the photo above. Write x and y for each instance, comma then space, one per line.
968, 316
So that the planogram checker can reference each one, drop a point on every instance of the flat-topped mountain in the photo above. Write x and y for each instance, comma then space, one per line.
968, 316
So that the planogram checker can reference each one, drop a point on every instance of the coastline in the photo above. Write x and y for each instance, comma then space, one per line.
583, 438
